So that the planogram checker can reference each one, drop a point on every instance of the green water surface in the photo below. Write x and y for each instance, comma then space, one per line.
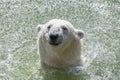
100, 19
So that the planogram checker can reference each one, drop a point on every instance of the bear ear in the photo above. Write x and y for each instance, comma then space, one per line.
79, 33
39, 27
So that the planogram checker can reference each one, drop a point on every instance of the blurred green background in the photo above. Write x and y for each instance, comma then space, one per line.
100, 19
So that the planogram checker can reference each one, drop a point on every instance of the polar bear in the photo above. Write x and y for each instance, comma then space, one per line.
59, 44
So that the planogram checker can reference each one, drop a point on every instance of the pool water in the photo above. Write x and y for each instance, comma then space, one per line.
100, 20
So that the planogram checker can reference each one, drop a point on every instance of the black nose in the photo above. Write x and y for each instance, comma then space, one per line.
54, 37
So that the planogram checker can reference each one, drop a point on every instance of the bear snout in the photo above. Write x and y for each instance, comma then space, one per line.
55, 39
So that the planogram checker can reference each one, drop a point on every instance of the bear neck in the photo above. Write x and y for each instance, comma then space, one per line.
67, 55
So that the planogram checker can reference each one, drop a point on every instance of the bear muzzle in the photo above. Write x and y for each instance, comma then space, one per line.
55, 39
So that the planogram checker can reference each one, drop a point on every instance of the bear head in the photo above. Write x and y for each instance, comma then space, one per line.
57, 31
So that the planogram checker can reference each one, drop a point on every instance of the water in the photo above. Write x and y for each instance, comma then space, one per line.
100, 19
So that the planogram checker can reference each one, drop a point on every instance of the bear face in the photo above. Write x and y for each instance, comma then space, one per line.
59, 44
55, 34
57, 31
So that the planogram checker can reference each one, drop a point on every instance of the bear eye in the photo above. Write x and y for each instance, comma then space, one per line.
64, 28
49, 27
